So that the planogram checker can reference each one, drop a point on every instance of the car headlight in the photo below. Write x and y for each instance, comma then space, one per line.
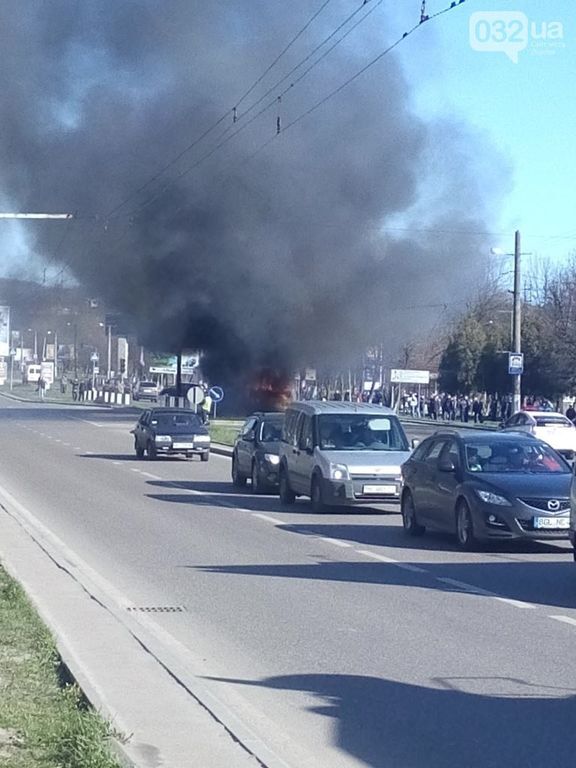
493, 498
272, 458
339, 472
163, 439
202, 438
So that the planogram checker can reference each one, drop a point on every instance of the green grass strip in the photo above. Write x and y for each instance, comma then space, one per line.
44, 723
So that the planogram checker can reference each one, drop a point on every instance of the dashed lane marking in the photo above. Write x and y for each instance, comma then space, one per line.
514, 603
268, 519
564, 620
375, 556
151, 476
335, 541
471, 589
396, 563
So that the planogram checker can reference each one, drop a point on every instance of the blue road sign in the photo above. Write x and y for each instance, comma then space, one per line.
217, 394
515, 363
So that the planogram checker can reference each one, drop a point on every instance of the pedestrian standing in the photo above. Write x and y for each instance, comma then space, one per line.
206, 408
571, 412
41, 387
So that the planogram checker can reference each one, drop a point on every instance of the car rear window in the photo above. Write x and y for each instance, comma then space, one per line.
176, 421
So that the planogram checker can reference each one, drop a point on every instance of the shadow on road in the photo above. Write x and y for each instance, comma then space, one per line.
394, 536
475, 722
225, 492
546, 583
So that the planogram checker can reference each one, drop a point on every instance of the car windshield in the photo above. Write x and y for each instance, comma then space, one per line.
509, 456
271, 430
147, 384
175, 422
552, 421
359, 432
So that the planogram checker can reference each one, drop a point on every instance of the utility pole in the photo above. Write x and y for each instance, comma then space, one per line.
109, 367
517, 324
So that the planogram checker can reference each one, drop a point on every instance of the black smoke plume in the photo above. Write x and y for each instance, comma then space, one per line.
272, 258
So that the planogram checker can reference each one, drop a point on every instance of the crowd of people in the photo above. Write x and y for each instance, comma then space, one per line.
473, 408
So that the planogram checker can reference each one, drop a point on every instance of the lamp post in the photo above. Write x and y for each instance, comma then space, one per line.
517, 325
516, 317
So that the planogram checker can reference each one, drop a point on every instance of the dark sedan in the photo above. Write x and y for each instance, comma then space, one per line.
256, 452
170, 431
486, 486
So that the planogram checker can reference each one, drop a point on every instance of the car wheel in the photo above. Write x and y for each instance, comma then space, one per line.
205, 456
409, 519
316, 497
287, 495
238, 479
465, 527
151, 451
138, 449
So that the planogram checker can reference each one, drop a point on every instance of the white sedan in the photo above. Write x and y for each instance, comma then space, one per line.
553, 428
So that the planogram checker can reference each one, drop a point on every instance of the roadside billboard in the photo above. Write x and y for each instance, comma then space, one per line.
406, 376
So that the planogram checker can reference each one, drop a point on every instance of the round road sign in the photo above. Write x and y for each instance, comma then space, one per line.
195, 395
217, 394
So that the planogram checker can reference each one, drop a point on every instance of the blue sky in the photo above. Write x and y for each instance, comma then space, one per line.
527, 109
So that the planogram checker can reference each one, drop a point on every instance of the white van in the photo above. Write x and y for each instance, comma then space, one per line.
31, 374
341, 453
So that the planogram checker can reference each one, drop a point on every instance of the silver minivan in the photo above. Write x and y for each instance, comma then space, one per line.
341, 453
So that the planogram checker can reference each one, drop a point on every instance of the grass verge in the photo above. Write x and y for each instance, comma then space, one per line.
44, 720
223, 433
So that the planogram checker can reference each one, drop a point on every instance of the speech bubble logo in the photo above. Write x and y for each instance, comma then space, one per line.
504, 32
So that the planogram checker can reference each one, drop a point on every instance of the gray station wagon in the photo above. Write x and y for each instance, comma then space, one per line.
341, 453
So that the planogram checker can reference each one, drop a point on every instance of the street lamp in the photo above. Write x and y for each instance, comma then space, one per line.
517, 315
75, 326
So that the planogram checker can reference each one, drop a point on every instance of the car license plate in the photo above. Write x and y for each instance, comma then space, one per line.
380, 489
183, 445
552, 522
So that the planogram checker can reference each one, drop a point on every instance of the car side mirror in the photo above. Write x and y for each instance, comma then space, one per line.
446, 465
414, 442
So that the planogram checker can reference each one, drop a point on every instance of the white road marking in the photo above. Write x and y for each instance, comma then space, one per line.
268, 519
397, 563
86, 421
66, 444
410, 567
514, 603
464, 586
375, 556
334, 541
133, 469
147, 474
471, 589
564, 620
77, 448
117, 463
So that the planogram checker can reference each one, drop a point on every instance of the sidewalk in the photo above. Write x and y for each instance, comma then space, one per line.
131, 671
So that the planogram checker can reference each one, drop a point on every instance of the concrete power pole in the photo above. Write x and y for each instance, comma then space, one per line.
517, 327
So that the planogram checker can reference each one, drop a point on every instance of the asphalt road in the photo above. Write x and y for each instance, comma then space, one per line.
335, 639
